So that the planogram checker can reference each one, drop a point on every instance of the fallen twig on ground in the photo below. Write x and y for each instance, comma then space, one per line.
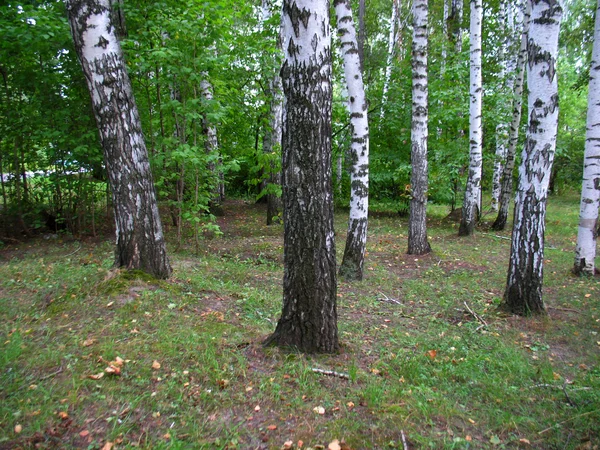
331, 373
477, 316
388, 299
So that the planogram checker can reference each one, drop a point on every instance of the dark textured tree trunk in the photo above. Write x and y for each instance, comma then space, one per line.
417, 224
506, 188
309, 318
140, 240
523, 294
362, 10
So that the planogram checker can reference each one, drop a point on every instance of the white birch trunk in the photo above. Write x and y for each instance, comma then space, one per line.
417, 224
211, 145
390, 57
472, 198
272, 135
506, 185
140, 240
456, 14
445, 33
356, 242
523, 294
585, 252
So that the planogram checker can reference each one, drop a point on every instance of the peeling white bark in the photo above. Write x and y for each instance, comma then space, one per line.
472, 199
585, 252
354, 253
523, 294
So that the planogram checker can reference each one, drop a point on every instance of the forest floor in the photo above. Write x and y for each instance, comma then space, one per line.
186, 368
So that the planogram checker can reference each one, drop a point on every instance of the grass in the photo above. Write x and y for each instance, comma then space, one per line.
420, 367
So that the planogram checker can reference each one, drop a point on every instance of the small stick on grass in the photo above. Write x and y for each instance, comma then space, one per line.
477, 316
404, 443
568, 420
331, 373
388, 300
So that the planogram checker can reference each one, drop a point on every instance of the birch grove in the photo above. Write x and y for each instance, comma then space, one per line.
587, 233
356, 241
523, 293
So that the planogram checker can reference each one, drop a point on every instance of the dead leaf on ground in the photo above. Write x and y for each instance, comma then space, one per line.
272, 427
155, 365
431, 354
97, 376
18, 428
108, 446
334, 445
63, 415
319, 410
89, 342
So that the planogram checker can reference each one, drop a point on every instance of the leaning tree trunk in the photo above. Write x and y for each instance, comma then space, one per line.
585, 252
356, 242
140, 240
309, 318
417, 224
523, 294
472, 199
506, 186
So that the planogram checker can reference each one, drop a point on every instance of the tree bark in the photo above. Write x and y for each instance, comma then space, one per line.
211, 145
523, 294
472, 199
272, 135
585, 252
455, 20
309, 317
417, 224
356, 241
390, 57
506, 187
140, 240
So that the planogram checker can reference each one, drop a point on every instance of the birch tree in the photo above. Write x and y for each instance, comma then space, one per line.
472, 198
585, 252
455, 20
140, 240
356, 241
523, 293
390, 56
506, 183
417, 224
309, 318
272, 135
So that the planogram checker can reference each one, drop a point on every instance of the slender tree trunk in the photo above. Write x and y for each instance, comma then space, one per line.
390, 57
211, 144
455, 19
140, 240
585, 252
272, 135
361, 33
523, 294
445, 33
356, 241
417, 224
506, 188
472, 200
309, 318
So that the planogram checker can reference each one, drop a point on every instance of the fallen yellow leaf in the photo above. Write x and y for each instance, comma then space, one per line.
525, 441
156, 365
97, 376
108, 446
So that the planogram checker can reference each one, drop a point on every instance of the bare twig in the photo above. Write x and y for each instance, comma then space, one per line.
568, 420
404, 443
497, 236
477, 316
53, 374
331, 373
564, 389
388, 300
564, 309
72, 253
